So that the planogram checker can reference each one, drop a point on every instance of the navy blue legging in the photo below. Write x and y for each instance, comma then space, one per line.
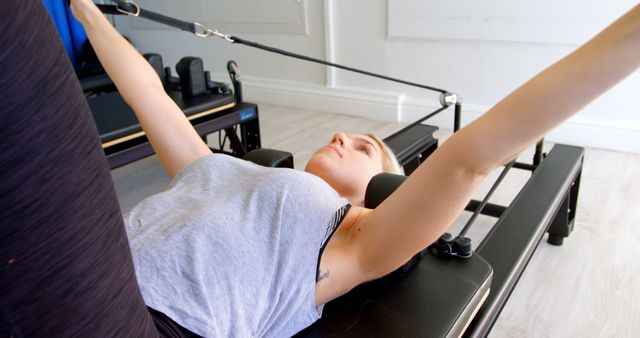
65, 263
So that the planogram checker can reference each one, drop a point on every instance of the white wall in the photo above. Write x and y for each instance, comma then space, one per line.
480, 49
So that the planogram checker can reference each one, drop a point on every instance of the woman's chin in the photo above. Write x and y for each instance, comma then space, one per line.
320, 164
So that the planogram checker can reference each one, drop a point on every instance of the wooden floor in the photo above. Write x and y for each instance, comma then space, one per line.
589, 287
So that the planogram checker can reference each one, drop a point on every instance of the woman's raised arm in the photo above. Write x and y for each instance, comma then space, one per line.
170, 133
437, 192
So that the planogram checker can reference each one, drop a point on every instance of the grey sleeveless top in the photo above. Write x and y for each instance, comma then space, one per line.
232, 248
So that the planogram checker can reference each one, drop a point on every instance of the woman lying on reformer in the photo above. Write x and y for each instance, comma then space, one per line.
231, 248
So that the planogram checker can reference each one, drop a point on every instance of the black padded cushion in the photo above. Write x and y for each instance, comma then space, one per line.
270, 158
434, 299
380, 187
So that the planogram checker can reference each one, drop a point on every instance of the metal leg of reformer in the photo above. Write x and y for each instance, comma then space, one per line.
236, 145
250, 129
539, 155
411, 165
562, 224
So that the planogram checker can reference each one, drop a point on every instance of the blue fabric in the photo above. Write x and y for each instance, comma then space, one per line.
69, 29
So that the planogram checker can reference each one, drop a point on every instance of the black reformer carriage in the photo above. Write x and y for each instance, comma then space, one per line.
435, 294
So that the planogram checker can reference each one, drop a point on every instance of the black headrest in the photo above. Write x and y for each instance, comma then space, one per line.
380, 187
270, 158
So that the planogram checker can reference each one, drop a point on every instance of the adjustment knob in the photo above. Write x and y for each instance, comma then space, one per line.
462, 247
443, 244
446, 238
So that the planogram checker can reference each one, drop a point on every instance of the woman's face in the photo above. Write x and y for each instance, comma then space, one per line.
347, 163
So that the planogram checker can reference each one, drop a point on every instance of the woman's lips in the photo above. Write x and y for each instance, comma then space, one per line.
335, 148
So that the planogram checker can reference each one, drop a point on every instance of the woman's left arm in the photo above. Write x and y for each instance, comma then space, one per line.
430, 200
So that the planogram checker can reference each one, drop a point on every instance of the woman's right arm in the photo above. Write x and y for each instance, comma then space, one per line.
436, 193
173, 138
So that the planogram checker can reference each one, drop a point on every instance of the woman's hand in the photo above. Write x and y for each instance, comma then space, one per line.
82, 8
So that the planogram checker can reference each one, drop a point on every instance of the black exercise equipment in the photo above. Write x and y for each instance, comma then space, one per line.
270, 158
191, 73
209, 106
124, 141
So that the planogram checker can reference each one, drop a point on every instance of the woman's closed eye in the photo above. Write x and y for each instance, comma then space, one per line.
365, 149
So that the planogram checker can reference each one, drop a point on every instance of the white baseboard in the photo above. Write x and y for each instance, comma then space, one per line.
376, 105
584, 131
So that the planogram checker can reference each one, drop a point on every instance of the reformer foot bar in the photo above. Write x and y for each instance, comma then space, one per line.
439, 296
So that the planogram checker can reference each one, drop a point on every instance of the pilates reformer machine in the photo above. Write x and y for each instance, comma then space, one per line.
451, 288
210, 107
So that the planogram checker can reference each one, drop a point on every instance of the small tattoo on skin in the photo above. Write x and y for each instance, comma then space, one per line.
324, 276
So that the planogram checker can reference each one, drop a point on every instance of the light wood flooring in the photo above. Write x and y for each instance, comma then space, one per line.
589, 287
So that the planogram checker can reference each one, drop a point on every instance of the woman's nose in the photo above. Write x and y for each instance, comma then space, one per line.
340, 139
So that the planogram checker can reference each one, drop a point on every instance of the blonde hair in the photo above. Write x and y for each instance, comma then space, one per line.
389, 161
